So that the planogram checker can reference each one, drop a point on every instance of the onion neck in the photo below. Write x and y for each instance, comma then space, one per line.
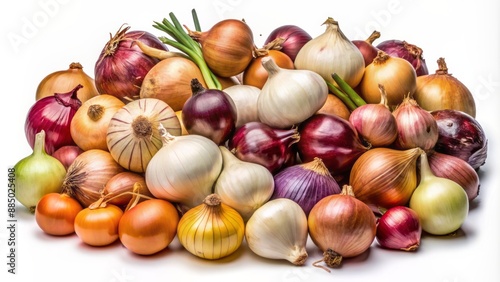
442, 68
69, 99
95, 112
374, 36
318, 166
383, 96
414, 50
75, 66
270, 65
196, 87
381, 58
425, 169
347, 190
39, 146
113, 42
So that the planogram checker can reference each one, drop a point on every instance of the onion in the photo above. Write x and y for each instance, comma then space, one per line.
397, 76
98, 226
441, 90
122, 66
55, 214
341, 226
256, 75
407, 51
64, 80
53, 114
90, 123
88, 175
292, 39
334, 106
259, 143
399, 229
305, 184
462, 136
209, 112
245, 100
227, 47
366, 47
119, 187
37, 175
170, 81
332, 139
67, 154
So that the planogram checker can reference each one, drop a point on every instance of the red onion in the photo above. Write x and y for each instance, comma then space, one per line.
366, 47
53, 114
259, 143
67, 154
209, 112
462, 136
294, 38
332, 139
305, 184
122, 66
407, 51
399, 229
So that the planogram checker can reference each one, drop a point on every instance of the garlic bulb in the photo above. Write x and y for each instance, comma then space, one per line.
184, 170
278, 230
332, 52
289, 96
244, 186
211, 230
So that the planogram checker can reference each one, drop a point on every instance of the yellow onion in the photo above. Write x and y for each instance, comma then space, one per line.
89, 125
133, 137
441, 90
211, 230
384, 177
397, 75
64, 80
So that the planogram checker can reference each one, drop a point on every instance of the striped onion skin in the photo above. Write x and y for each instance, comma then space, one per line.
133, 135
211, 230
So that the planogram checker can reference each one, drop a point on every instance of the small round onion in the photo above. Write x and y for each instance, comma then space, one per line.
407, 51
341, 226
399, 229
293, 38
67, 154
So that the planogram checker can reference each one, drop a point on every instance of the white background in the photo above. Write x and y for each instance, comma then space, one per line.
51, 34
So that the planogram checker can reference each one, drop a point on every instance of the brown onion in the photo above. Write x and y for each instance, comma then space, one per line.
335, 106
64, 81
170, 81
397, 75
341, 226
256, 75
122, 65
227, 47
441, 90
384, 177
122, 183
88, 175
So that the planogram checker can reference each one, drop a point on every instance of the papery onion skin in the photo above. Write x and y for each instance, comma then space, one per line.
384, 177
123, 183
64, 80
256, 75
407, 51
55, 214
399, 229
462, 136
343, 224
53, 114
332, 139
245, 100
260, 143
294, 38
441, 90
334, 106
98, 226
148, 227
67, 154
121, 67
305, 184
456, 169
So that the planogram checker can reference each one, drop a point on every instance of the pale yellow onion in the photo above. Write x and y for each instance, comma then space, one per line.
184, 170
64, 80
441, 90
89, 125
242, 185
397, 75
211, 230
278, 230
245, 99
384, 177
133, 137
289, 96
332, 52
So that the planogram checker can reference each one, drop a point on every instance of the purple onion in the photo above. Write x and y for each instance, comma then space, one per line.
259, 143
53, 114
210, 113
399, 228
407, 51
305, 184
294, 38
462, 136
366, 47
